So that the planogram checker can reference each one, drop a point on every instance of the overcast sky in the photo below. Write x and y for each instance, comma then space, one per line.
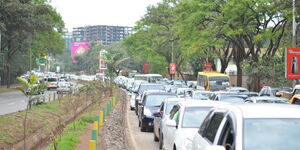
77, 13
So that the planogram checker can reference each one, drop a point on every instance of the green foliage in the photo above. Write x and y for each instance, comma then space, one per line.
25, 26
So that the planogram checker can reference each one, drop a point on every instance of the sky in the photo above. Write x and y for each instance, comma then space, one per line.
76, 13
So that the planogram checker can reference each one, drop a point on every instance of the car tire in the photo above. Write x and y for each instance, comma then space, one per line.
131, 108
161, 141
155, 138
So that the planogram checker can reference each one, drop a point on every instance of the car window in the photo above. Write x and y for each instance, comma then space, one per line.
227, 135
173, 111
212, 128
194, 116
155, 100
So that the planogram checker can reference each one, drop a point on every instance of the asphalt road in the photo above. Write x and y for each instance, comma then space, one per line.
140, 140
15, 101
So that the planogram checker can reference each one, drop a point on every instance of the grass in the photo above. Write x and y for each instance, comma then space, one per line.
70, 138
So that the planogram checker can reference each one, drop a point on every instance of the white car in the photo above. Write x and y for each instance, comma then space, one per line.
250, 127
183, 123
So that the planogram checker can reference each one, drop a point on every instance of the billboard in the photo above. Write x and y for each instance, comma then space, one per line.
292, 58
172, 68
78, 48
102, 64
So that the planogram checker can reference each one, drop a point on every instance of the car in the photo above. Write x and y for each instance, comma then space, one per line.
149, 105
64, 87
183, 123
201, 95
52, 83
269, 91
134, 93
295, 99
228, 97
161, 117
239, 127
143, 87
266, 99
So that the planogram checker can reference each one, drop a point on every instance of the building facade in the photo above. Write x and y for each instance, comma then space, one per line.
101, 33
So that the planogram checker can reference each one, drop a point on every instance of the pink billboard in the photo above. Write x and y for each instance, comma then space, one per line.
78, 48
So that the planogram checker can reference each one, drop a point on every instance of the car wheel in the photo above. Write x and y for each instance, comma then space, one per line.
155, 138
161, 141
131, 108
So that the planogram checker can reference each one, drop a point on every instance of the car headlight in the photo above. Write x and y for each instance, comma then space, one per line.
147, 112
186, 144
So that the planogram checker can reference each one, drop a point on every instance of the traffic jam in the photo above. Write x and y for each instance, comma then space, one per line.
210, 114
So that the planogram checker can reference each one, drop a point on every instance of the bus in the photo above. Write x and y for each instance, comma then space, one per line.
212, 81
151, 78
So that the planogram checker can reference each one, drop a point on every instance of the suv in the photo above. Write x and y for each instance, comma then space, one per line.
269, 91
149, 105
52, 83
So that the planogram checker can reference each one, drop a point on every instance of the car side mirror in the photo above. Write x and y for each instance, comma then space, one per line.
215, 147
171, 123
157, 114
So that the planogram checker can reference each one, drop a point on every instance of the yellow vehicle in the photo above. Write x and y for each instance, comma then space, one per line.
295, 99
212, 80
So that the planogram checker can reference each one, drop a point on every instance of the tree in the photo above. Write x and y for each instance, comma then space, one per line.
29, 88
23, 22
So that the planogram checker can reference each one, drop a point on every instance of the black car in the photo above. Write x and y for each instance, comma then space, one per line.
149, 105
144, 87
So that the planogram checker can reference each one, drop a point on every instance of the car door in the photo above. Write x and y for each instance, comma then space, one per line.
209, 130
169, 134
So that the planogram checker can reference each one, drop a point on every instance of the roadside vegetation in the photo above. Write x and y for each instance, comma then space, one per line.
50, 118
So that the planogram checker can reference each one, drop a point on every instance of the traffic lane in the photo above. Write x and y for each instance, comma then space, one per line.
140, 140
16, 101
12, 102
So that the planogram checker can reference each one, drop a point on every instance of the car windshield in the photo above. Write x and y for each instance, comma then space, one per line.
193, 116
218, 83
271, 134
169, 106
202, 96
155, 100
151, 87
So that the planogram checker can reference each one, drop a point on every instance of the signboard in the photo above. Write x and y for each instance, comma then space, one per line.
78, 48
102, 64
207, 66
146, 68
172, 68
40, 61
292, 59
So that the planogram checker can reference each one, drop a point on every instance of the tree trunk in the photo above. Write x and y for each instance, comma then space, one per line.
239, 81
256, 83
8, 74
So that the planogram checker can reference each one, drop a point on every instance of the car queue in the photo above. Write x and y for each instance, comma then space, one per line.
185, 117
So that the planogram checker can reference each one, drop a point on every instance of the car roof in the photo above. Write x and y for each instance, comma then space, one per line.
264, 110
158, 92
149, 84
267, 98
199, 103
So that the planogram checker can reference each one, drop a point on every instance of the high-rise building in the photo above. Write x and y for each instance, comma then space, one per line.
101, 33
